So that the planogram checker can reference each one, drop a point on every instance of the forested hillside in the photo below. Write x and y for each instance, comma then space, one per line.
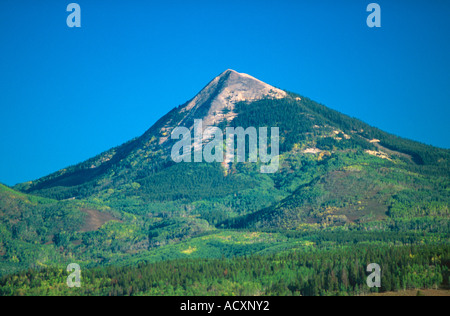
318, 272
342, 185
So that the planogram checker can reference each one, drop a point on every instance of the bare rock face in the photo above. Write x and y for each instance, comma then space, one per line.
216, 102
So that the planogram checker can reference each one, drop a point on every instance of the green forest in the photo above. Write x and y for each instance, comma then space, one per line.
346, 195
326, 272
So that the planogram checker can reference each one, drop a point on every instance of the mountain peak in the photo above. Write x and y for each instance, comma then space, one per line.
216, 102
228, 71
249, 82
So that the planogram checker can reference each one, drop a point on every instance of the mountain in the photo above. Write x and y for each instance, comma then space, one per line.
340, 181
310, 133
215, 104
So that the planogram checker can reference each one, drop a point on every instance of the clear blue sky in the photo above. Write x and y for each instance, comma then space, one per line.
69, 94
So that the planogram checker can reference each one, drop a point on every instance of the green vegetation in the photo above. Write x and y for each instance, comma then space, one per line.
346, 195
339, 271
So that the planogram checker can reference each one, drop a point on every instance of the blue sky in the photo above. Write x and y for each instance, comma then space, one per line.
69, 94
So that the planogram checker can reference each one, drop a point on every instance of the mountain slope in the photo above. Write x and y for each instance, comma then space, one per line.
140, 177
149, 153
335, 170
30, 226
340, 181
218, 103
